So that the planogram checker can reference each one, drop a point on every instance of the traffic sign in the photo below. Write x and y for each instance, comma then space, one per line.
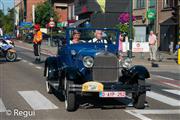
51, 24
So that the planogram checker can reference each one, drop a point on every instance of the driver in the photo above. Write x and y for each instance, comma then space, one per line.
76, 37
99, 37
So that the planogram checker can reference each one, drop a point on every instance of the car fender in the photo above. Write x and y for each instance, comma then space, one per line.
51, 63
72, 73
140, 71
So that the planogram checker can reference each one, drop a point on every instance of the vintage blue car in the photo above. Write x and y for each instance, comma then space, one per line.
87, 63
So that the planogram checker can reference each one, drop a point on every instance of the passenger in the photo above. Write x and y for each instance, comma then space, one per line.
99, 37
76, 37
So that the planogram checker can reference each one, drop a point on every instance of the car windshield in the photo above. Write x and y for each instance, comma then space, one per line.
98, 36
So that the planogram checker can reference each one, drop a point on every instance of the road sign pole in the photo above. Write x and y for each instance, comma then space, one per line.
130, 31
51, 36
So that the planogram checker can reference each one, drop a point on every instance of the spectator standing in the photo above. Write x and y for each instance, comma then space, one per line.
152, 45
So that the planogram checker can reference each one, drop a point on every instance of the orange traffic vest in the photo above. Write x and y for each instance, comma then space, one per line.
37, 37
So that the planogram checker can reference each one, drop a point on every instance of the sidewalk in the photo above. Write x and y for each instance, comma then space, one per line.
169, 62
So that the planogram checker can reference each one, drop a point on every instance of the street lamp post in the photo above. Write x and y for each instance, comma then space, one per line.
130, 30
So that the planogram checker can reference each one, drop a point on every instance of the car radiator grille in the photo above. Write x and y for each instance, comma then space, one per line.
105, 68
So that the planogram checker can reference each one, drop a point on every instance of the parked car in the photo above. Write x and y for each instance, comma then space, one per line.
93, 68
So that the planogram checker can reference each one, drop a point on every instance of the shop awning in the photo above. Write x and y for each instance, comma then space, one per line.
168, 22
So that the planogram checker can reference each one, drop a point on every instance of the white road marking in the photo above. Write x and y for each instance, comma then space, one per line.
24, 61
140, 116
172, 85
36, 100
167, 78
19, 58
30, 63
2, 107
139, 113
176, 92
38, 67
163, 99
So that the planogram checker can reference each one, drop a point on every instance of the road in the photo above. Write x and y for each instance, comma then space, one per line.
23, 96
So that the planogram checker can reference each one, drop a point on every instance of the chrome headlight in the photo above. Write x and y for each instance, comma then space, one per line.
127, 63
88, 61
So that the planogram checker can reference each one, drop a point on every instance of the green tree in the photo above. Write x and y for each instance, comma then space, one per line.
7, 22
124, 28
43, 14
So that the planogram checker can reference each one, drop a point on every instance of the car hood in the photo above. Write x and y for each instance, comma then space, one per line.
88, 51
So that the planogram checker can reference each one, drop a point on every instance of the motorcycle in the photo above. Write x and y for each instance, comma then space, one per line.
9, 41
7, 51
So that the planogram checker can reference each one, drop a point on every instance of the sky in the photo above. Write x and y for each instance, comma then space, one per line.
7, 4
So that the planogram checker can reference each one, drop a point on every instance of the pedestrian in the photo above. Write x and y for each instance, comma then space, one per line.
1, 32
152, 45
120, 47
37, 42
120, 43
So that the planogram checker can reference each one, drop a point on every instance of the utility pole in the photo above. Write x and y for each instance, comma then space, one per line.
50, 1
130, 29
14, 11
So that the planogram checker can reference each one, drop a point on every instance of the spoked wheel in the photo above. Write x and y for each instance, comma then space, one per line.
11, 56
49, 88
70, 97
140, 97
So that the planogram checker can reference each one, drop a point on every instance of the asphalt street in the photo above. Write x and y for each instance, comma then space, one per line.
23, 96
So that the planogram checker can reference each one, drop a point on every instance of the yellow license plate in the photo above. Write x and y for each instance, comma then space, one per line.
92, 87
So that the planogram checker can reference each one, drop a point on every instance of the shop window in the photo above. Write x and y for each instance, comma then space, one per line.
139, 4
152, 3
168, 3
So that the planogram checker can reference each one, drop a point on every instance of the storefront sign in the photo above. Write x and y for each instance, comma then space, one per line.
136, 46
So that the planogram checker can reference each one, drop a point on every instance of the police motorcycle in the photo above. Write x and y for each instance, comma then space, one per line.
7, 50
9, 41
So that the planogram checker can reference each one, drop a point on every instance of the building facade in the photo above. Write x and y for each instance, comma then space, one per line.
101, 14
163, 25
28, 9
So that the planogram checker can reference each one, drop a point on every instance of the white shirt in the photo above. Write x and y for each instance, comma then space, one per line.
94, 40
1, 32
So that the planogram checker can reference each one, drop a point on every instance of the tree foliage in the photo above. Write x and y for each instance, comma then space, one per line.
43, 14
7, 22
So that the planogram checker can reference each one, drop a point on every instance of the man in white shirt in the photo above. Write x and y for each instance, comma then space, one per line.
1, 32
99, 37
152, 45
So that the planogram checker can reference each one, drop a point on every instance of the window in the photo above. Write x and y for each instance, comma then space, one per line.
71, 12
140, 4
168, 3
152, 3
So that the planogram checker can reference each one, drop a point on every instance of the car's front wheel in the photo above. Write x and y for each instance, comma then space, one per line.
140, 97
70, 97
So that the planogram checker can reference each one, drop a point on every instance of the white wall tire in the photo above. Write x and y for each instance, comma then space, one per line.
70, 97
49, 88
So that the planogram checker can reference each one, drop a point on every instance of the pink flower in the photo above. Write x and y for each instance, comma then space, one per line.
125, 17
